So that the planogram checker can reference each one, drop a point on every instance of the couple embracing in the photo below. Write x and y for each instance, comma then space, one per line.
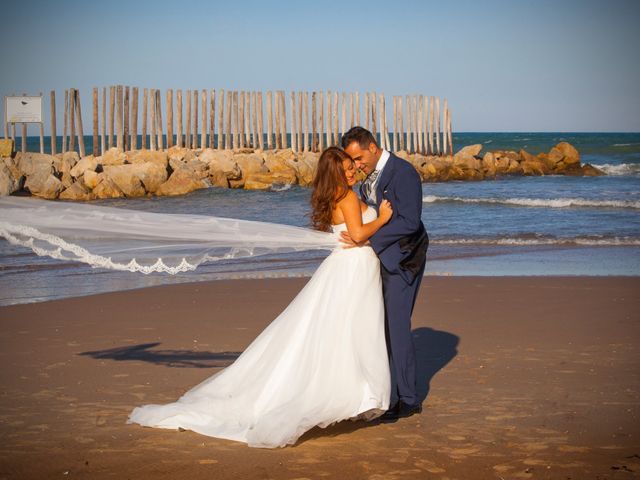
339, 346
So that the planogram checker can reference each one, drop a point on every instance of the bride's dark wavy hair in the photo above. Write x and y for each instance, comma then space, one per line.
329, 187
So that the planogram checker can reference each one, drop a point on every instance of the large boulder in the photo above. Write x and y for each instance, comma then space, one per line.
113, 156
107, 188
181, 154
250, 163
148, 156
44, 184
532, 165
469, 150
12, 166
183, 180
126, 178
305, 166
90, 179
589, 170
84, 164
8, 183
29, 162
264, 181
569, 153
77, 192
221, 161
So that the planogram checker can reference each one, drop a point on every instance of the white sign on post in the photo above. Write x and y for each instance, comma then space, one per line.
23, 109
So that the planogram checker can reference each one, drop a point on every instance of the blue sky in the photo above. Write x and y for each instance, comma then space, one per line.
564, 65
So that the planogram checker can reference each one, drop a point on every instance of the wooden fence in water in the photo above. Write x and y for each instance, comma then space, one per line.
219, 119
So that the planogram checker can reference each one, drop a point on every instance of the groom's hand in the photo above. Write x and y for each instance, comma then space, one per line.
348, 242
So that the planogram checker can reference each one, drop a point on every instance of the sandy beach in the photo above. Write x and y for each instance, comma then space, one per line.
524, 377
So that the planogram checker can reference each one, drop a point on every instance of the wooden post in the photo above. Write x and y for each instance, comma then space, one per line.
438, 126
321, 122
357, 108
294, 129
119, 102
445, 125
353, 113
236, 122
299, 123
112, 106
314, 125
103, 132
221, 120
72, 120
126, 119
241, 118
169, 102
420, 123
152, 110
415, 123
278, 120
179, 138
159, 120
305, 140
227, 135
409, 116
395, 123
246, 119
401, 124
212, 117
65, 129
187, 135
283, 117
203, 132
194, 119
96, 127
449, 129
383, 112
329, 118
54, 137
24, 136
269, 121
367, 123
343, 123
374, 101
254, 118
80, 131
145, 115
430, 127
335, 118
260, 122
134, 119
4, 120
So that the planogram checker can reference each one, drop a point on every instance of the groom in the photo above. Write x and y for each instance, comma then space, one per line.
401, 245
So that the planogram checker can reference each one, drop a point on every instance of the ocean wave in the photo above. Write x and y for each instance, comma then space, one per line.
538, 202
532, 240
620, 168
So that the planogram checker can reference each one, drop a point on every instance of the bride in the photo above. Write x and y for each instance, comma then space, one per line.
323, 359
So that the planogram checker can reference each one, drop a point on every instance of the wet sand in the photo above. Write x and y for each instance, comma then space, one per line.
523, 377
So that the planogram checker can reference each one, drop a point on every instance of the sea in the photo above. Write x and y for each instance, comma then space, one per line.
510, 226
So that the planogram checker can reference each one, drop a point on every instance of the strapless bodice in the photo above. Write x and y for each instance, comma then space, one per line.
368, 215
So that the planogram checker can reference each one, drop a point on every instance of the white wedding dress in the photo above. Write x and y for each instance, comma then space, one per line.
322, 360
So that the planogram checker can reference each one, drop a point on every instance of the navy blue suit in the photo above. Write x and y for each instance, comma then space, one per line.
401, 246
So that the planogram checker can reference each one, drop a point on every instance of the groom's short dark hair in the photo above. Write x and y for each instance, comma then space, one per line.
358, 134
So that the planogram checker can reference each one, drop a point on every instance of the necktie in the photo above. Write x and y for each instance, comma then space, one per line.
369, 182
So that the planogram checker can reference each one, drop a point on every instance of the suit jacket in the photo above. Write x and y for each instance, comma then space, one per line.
402, 243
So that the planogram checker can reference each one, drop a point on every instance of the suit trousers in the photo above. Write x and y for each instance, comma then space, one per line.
399, 300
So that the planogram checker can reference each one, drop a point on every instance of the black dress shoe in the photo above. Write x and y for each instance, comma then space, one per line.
401, 410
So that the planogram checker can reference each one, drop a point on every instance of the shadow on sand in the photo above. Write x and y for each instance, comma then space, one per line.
169, 358
434, 350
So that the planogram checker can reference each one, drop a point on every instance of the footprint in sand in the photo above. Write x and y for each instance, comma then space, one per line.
207, 461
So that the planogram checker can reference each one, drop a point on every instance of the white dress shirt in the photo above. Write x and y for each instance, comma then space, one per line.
382, 161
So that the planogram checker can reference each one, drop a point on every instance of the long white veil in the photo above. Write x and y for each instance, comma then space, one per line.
146, 242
